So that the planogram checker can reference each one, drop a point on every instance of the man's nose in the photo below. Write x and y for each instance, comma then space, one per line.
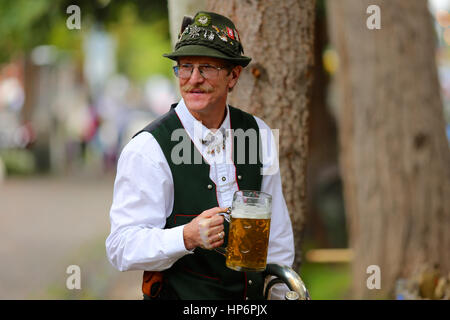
196, 76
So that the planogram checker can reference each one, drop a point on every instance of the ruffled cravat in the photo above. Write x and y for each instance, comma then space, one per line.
215, 142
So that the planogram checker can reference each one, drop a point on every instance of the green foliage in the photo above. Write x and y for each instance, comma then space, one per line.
63, 38
140, 28
18, 161
21, 25
141, 45
326, 281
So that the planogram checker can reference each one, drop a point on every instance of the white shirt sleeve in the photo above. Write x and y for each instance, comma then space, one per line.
138, 240
281, 240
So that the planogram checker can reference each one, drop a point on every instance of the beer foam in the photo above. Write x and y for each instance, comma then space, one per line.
250, 212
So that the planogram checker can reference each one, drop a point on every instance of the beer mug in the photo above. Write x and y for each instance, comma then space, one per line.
248, 237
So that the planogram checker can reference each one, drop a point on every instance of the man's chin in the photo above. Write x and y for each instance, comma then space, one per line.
196, 103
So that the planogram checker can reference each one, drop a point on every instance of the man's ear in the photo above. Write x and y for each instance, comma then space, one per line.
235, 73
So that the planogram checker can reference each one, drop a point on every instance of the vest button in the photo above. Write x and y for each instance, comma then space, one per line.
223, 178
250, 282
210, 186
239, 177
246, 298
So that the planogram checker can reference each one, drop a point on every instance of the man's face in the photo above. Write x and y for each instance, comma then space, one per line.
202, 94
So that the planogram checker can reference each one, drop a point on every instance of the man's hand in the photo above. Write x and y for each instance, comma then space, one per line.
205, 230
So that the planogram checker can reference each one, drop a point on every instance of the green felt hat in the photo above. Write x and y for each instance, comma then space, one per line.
209, 34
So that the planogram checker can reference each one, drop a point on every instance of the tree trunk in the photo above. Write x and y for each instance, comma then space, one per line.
278, 36
394, 154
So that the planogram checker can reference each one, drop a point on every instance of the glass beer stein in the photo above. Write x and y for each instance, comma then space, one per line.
248, 237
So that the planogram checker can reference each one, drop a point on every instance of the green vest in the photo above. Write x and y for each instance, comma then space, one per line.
204, 275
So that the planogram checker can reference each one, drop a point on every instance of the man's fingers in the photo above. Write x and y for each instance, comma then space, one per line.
213, 242
220, 236
217, 243
211, 237
213, 211
215, 230
216, 221
210, 227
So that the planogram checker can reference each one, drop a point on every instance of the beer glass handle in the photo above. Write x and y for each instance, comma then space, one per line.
227, 217
222, 251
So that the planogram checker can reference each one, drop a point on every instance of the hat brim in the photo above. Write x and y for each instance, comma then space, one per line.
194, 50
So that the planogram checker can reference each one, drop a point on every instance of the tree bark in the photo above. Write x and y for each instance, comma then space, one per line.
276, 85
394, 154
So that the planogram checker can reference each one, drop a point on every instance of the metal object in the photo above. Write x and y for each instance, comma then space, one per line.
291, 295
285, 274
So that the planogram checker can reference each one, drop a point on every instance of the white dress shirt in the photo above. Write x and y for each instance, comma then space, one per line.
143, 199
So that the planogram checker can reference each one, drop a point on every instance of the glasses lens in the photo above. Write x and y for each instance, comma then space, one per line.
175, 70
208, 72
185, 71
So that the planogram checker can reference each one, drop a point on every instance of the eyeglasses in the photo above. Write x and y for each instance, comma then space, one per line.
184, 71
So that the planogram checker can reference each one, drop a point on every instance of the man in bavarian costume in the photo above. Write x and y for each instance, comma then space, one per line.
164, 215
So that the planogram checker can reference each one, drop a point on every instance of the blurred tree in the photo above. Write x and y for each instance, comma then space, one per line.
141, 43
179, 9
22, 26
325, 221
276, 85
394, 154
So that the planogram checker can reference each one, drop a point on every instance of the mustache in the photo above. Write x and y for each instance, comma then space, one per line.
188, 88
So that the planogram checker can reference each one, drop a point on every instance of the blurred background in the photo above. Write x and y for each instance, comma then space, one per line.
71, 98
69, 101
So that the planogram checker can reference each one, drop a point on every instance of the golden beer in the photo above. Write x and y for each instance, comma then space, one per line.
248, 240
